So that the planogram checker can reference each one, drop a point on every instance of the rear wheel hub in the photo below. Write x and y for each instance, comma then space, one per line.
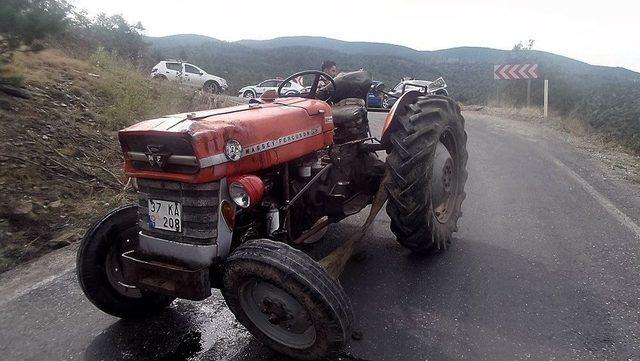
444, 181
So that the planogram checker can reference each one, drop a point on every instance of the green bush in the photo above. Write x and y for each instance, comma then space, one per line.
23, 26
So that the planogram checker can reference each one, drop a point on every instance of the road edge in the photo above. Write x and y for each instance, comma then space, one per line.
32, 275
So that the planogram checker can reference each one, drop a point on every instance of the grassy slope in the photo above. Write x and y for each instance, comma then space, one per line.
60, 160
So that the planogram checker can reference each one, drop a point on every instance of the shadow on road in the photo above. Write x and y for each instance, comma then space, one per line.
169, 336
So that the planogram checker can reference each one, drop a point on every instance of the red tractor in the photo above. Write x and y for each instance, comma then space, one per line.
227, 198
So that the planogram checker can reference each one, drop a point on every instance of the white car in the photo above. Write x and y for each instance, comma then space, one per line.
188, 74
254, 91
438, 87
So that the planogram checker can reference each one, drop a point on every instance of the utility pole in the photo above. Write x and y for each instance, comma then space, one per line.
546, 98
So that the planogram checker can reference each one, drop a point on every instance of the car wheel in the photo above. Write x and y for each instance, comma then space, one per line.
248, 94
211, 87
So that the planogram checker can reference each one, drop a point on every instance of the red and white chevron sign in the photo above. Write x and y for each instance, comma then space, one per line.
515, 71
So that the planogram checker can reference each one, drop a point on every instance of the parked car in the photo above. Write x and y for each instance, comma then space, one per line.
374, 99
189, 75
254, 91
437, 87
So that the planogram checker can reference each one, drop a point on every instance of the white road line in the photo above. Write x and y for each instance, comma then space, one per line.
24, 290
606, 203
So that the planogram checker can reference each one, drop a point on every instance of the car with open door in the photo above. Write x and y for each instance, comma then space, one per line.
189, 75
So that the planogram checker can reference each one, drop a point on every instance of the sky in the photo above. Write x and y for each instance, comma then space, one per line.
597, 32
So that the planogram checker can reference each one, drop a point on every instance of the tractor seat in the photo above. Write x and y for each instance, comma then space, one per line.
355, 84
350, 120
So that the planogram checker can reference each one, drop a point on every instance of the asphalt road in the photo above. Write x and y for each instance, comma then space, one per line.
545, 267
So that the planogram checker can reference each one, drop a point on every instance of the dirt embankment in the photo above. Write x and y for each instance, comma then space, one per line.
60, 163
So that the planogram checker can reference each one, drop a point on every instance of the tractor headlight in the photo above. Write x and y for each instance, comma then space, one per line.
239, 195
246, 190
233, 150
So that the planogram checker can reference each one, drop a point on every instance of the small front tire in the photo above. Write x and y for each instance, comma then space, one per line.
99, 267
249, 94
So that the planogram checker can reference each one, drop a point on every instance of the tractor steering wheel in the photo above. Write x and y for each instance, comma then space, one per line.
328, 90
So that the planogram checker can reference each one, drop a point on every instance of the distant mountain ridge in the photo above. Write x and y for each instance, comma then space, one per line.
465, 54
460, 54
347, 47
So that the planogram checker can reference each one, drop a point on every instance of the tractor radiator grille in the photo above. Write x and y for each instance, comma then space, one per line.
199, 210
175, 148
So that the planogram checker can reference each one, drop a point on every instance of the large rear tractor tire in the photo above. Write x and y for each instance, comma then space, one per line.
427, 162
99, 267
287, 300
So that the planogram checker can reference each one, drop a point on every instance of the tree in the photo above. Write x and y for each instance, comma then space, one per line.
24, 23
520, 46
113, 33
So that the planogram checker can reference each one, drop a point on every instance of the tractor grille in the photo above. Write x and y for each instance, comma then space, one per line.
199, 210
137, 148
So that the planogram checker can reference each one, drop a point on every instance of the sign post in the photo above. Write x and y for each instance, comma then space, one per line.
515, 72
546, 98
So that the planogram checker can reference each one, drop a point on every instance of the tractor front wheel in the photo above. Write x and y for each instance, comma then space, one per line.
99, 267
286, 300
427, 163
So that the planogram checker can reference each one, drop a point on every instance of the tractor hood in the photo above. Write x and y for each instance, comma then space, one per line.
190, 147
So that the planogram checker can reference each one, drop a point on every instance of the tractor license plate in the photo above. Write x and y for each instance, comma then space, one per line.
165, 215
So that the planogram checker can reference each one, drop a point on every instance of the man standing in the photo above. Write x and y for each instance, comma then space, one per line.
329, 67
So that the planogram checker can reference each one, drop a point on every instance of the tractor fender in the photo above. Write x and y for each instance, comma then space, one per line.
397, 109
